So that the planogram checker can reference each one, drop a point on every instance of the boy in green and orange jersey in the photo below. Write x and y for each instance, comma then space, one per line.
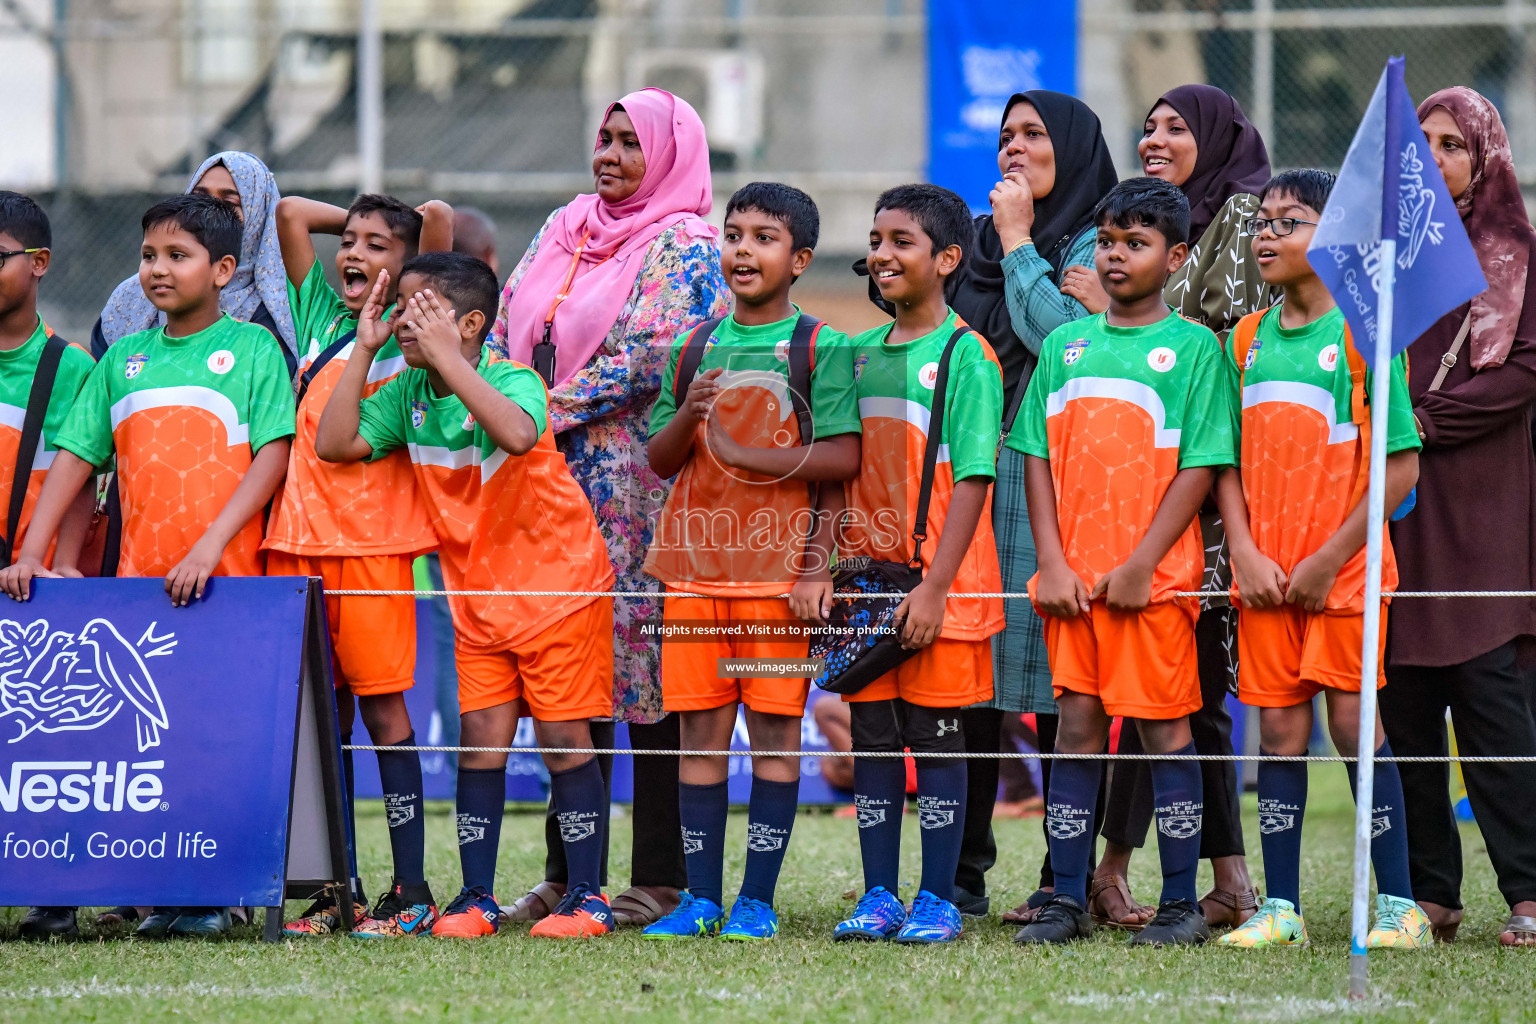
508, 516
1123, 428
359, 526
25, 252
1296, 520
734, 528
920, 237
198, 414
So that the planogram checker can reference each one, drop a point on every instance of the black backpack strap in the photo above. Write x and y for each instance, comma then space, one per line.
692, 355
802, 360
31, 435
313, 370
931, 448
1012, 414
112, 507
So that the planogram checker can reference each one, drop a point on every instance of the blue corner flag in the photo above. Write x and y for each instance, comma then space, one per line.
1389, 185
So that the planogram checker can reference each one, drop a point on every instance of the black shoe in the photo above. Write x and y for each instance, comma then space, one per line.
43, 923
1178, 923
1061, 920
972, 905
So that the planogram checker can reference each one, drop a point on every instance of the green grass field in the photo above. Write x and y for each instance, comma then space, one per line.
801, 976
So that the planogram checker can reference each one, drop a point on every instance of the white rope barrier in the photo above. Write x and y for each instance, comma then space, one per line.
981, 756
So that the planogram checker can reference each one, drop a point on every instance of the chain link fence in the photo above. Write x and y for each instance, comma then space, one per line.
492, 103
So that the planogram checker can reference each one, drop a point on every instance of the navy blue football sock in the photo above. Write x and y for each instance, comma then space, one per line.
347, 776
1069, 824
400, 775
703, 811
879, 796
1282, 802
941, 821
1178, 805
1389, 825
481, 798
770, 817
580, 808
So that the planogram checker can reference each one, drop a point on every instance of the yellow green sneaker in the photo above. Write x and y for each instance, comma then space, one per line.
1275, 924
1400, 924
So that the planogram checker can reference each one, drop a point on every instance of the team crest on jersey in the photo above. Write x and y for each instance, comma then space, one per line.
781, 351
709, 343
928, 376
1162, 359
1328, 358
418, 414
469, 422
859, 362
1074, 351
134, 365
1253, 352
222, 361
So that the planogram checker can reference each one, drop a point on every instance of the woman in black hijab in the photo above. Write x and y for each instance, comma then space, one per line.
1055, 168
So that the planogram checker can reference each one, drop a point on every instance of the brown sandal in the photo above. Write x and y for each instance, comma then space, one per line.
1243, 905
1118, 883
634, 907
537, 904
1025, 912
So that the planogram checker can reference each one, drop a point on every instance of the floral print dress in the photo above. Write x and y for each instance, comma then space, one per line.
600, 418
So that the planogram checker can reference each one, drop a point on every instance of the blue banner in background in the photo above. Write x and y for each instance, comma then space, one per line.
146, 751
980, 52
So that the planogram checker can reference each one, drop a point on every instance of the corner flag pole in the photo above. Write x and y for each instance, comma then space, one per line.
1375, 520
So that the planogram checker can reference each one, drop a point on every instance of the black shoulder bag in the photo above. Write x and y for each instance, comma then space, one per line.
861, 641
31, 435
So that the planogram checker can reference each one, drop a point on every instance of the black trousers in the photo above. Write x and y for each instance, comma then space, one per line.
1128, 810
658, 829
978, 849
1489, 699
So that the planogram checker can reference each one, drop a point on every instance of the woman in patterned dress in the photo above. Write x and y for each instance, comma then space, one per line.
609, 282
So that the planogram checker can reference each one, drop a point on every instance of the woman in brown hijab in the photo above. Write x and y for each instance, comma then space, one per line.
1472, 378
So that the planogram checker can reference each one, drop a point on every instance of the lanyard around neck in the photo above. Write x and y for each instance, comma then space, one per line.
544, 351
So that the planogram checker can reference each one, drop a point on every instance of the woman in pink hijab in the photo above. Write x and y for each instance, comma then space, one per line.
609, 282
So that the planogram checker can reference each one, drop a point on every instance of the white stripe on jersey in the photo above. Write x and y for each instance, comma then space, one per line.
14, 416
1143, 396
209, 400
915, 413
444, 458
1319, 400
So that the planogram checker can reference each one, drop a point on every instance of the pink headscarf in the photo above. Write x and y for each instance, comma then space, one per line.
675, 189
1493, 213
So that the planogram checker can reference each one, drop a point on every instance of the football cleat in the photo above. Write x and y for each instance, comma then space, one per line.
43, 923
401, 912
695, 917
1400, 924
200, 922
750, 919
323, 917
580, 914
473, 914
1178, 923
931, 920
1275, 924
157, 923
877, 916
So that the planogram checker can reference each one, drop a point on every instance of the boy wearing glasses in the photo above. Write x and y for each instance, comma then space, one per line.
25, 240
1295, 514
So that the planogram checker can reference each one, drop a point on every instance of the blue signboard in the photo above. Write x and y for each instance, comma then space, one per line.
147, 751
980, 52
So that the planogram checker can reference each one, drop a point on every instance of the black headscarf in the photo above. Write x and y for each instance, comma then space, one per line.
1084, 173
1231, 157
